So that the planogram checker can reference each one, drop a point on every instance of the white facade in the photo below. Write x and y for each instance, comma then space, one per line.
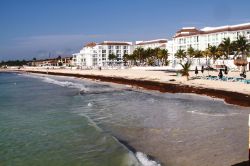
97, 54
158, 43
94, 55
208, 36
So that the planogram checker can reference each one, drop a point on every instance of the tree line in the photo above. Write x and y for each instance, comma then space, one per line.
14, 63
143, 57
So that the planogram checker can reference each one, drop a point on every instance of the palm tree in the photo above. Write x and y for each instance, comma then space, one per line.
139, 53
112, 57
242, 46
206, 55
185, 69
181, 54
150, 56
191, 52
126, 58
213, 53
242, 49
198, 54
157, 55
226, 47
163, 55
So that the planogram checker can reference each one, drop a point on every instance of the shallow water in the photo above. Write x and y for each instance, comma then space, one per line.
67, 121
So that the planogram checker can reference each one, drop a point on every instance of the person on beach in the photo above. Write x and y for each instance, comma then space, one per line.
220, 75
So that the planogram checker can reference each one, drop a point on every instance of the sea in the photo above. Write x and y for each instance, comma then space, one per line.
66, 121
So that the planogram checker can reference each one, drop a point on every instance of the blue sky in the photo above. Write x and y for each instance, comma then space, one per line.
33, 28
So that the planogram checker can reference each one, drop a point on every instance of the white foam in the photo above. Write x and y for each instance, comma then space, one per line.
89, 105
208, 114
57, 82
144, 160
65, 83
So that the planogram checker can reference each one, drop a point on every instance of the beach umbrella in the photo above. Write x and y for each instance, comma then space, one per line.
196, 71
220, 74
202, 69
225, 70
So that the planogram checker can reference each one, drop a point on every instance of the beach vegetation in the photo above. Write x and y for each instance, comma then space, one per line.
148, 57
242, 47
14, 63
227, 47
181, 54
191, 52
213, 53
185, 69
112, 57
163, 57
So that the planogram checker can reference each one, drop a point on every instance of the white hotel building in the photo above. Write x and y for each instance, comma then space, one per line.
208, 36
203, 38
97, 54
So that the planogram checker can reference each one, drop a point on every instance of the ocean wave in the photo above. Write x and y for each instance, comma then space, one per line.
212, 114
83, 88
145, 160
68, 84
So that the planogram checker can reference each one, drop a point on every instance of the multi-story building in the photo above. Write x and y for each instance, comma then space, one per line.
208, 36
94, 54
97, 54
158, 43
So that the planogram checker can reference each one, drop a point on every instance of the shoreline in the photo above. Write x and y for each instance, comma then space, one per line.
229, 97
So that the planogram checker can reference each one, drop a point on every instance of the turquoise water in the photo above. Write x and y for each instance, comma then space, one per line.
38, 127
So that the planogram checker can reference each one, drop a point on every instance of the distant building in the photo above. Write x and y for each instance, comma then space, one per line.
63, 61
97, 54
158, 43
208, 36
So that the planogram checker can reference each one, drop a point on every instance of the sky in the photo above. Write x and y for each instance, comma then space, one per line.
39, 28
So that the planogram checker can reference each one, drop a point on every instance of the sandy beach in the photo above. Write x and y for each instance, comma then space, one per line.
162, 76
